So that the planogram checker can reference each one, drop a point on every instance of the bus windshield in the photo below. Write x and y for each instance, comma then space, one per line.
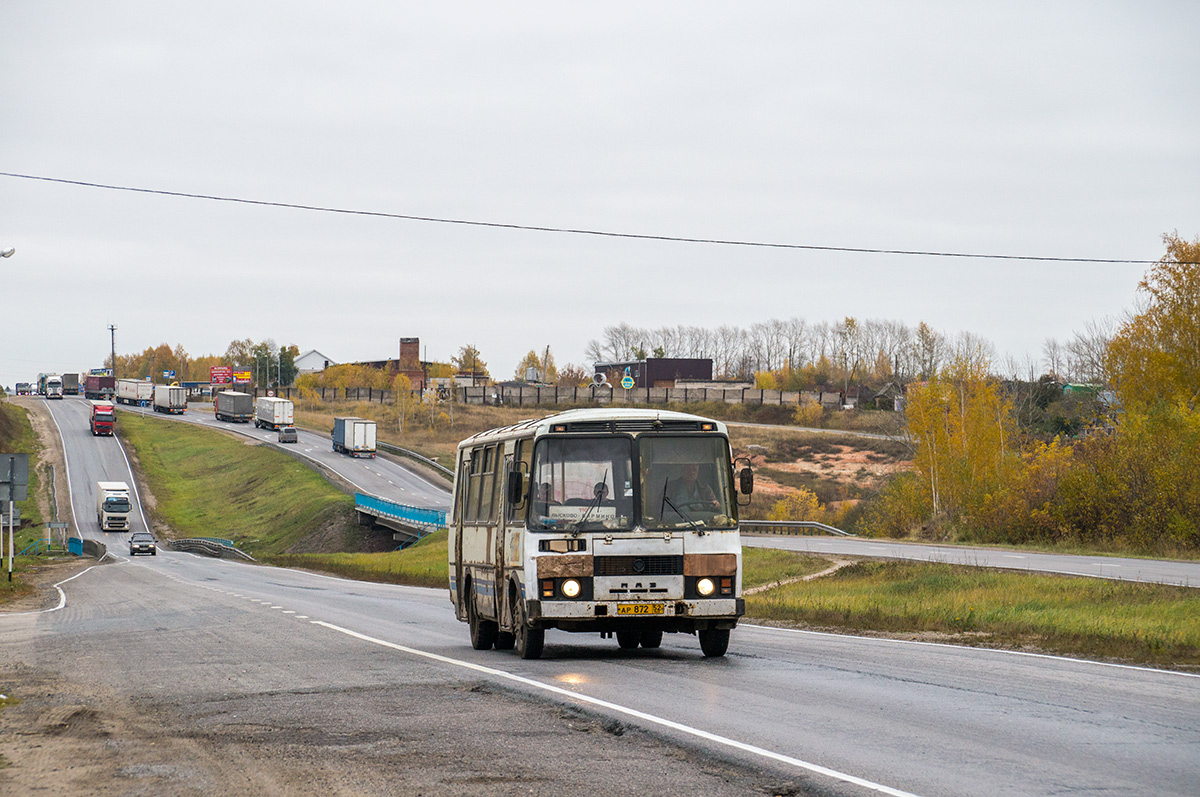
582, 484
686, 482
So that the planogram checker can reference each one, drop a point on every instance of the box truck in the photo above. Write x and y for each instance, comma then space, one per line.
113, 506
354, 436
234, 406
138, 392
170, 398
103, 416
70, 384
273, 412
96, 386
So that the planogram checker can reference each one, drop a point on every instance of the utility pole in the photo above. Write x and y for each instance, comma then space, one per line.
112, 331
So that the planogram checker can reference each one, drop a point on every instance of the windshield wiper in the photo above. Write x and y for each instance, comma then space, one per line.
598, 492
668, 502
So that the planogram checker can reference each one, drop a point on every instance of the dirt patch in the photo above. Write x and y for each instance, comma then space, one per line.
41, 578
846, 464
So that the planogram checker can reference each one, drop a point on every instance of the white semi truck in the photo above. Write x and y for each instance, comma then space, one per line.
273, 413
113, 506
170, 398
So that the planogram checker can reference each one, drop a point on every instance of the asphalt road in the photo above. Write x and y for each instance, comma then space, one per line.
1156, 571
837, 714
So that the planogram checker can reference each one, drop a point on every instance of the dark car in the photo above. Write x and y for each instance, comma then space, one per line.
287, 434
142, 542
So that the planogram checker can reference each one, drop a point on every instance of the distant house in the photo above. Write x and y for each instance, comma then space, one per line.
313, 361
655, 371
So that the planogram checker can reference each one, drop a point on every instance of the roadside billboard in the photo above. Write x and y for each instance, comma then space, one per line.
220, 374
241, 377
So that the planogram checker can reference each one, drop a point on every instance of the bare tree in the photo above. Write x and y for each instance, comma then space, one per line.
1055, 358
1087, 351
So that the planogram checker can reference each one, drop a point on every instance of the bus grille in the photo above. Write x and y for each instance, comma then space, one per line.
638, 565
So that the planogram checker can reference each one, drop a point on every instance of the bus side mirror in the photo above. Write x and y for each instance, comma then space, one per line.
746, 481
516, 484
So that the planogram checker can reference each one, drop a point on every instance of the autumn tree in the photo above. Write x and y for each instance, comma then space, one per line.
468, 361
963, 424
571, 375
541, 364
1155, 355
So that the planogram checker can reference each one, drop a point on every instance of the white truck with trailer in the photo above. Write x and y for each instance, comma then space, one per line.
113, 506
170, 398
354, 436
273, 413
54, 386
135, 392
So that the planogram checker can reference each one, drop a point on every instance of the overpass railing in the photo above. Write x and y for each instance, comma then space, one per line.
412, 515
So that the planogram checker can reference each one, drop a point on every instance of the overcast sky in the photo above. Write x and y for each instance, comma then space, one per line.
1055, 129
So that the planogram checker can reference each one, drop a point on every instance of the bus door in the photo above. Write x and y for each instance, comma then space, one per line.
509, 548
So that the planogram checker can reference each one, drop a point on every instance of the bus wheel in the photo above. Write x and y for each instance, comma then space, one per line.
628, 640
528, 641
651, 639
483, 632
714, 641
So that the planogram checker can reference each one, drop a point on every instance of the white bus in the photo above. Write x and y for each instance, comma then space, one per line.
617, 521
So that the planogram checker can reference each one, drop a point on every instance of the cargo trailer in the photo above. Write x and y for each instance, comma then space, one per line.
170, 398
273, 413
233, 406
354, 436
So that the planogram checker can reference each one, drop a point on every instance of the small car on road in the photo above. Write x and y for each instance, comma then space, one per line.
142, 542
287, 434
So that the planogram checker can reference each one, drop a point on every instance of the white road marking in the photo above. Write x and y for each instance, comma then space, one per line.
631, 712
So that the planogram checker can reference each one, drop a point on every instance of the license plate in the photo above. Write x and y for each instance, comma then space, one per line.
639, 608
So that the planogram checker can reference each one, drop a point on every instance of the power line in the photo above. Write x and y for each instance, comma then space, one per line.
575, 231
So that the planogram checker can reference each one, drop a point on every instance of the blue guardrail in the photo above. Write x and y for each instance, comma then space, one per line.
417, 515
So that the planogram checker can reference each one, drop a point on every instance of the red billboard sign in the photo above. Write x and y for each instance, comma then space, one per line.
220, 374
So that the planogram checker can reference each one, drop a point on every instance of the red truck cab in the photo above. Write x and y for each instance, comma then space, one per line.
103, 415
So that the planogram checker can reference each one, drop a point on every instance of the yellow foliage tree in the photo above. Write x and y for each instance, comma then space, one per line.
799, 505
1156, 354
966, 437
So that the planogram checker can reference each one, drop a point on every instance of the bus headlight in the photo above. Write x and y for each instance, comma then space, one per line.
705, 586
570, 588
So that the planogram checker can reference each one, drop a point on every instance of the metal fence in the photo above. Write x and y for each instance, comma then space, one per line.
533, 395
210, 547
789, 527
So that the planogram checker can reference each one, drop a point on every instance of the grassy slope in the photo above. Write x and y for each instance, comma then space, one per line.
17, 437
1072, 616
209, 484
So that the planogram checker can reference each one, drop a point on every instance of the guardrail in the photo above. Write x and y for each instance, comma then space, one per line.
404, 452
413, 515
210, 547
39, 547
789, 527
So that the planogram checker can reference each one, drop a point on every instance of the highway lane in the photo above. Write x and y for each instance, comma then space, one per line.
849, 714
90, 460
381, 476
1156, 571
